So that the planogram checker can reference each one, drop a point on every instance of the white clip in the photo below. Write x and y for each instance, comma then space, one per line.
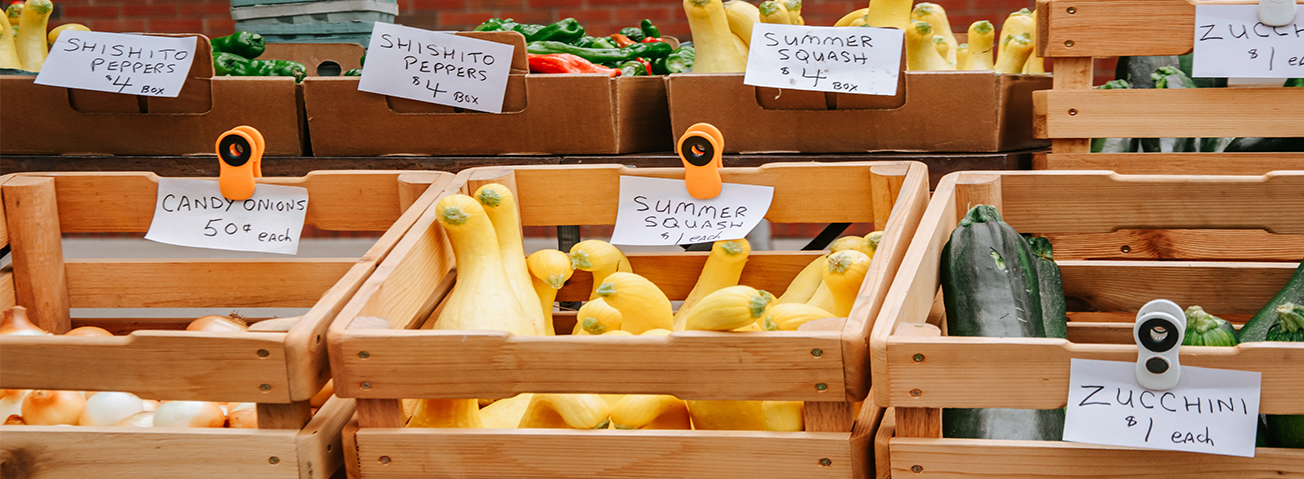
1159, 331
1276, 13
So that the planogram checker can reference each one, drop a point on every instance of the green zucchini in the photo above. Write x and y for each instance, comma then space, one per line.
1294, 82
1287, 430
1054, 311
1137, 70
1256, 329
1204, 329
990, 288
1115, 145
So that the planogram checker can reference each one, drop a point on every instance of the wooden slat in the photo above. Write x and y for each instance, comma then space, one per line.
971, 458
1149, 113
198, 283
801, 196
350, 439
1173, 163
1035, 202
294, 415
4, 226
320, 443
829, 416
53, 452
40, 283
551, 453
7, 298
1225, 288
676, 273
1107, 28
178, 365
455, 364
882, 446
1070, 74
1250, 245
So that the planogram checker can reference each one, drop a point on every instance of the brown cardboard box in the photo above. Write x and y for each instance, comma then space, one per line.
548, 114
313, 56
44, 120
932, 111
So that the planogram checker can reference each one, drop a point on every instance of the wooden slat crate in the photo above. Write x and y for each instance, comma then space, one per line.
151, 358
827, 369
916, 373
1073, 32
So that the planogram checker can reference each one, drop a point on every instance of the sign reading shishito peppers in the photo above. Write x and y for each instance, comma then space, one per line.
437, 68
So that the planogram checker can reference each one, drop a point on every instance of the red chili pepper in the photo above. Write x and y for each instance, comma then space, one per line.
566, 63
653, 40
621, 40
646, 64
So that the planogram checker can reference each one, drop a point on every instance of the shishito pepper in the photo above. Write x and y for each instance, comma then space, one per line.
634, 33
229, 64
235, 65
567, 30
495, 24
566, 63
649, 30
650, 51
632, 68
681, 61
246, 44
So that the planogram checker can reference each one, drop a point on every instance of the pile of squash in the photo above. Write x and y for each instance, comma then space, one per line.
499, 288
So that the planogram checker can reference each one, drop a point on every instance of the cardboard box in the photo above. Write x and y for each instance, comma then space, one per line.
543, 114
932, 111
320, 59
45, 120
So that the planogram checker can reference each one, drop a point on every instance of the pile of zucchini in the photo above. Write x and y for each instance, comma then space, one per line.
997, 283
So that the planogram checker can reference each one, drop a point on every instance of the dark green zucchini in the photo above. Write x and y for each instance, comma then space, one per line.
1294, 82
1283, 430
990, 288
1204, 329
1054, 311
1137, 70
1256, 329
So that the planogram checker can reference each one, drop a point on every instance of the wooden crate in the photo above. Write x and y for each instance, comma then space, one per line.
827, 369
1073, 32
1217, 252
151, 358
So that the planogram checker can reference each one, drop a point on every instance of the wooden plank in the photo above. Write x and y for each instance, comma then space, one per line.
676, 273
177, 365
380, 413
550, 453
54, 452
294, 415
490, 364
7, 295
799, 196
1175, 163
200, 283
207, 166
1107, 28
974, 458
1148, 113
1070, 74
882, 446
1034, 202
4, 226
320, 443
1220, 287
1250, 245
40, 283
1101, 333
959, 372
350, 440
829, 416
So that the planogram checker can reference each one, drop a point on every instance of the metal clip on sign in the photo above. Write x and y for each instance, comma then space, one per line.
240, 154
700, 149
1276, 13
1159, 331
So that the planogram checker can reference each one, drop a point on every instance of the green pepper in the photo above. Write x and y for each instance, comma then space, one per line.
632, 68
681, 61
279, 68
565, 30
633, 33
245, 44
650, 51
494, 25
230, 64
356, 72
649, 30
603, 42
584, 41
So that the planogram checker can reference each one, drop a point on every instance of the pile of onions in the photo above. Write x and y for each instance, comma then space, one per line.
16, 322
11, 401
110, 408
189, 414
140, 419
50, 408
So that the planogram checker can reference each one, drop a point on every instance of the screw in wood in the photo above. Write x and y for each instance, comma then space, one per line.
1073, 112
1073, 10
821, 387
1126, 249
366, 385
919, 358
916, 392
364, 354
1068, 43
262, 353
384, 459
916, 468
826, 462
265, 387
273, 460
817, 352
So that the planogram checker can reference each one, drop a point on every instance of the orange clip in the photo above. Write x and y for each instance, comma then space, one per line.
700, 149
240, 154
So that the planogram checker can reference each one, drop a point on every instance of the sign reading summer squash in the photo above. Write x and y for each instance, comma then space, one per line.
860, 60
437, 68
660, 212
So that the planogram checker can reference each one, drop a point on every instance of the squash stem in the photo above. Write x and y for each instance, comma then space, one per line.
1200, 320
1291, 317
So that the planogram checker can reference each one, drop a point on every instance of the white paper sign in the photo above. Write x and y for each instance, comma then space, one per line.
660, 212
1211, 411
1230, 42
194, 213
437, 68
118, 63
860, 60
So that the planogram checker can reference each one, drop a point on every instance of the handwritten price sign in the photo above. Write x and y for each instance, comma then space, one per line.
833, 59
117, 63
1230, 42
194, 213
437, 68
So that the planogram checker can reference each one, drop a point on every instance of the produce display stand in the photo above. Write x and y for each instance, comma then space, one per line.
278, 371
1073, 32
825, 368
1230, 273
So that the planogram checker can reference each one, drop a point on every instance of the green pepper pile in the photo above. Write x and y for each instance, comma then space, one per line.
634, 51
236, 55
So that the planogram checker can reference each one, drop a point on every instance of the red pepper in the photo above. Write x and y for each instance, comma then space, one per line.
621, 40
646, 64
566, 63
653, 40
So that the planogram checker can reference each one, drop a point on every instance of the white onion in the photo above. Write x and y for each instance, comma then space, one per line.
149, 405
243, 415
189, 414
11, 401
109, 408
49, 408
15, 322
140, 419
